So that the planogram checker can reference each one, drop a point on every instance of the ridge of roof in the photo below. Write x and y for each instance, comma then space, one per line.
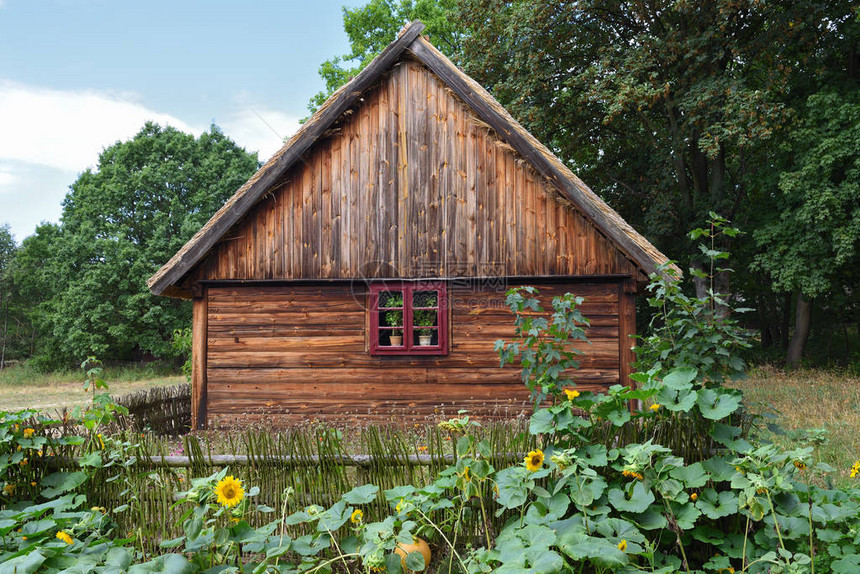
638, 249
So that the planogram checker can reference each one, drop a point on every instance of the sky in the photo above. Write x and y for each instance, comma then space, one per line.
77, 76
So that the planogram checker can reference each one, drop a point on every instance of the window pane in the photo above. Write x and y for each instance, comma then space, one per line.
390, 337
390, 315
425, 299
425, 337
389, 299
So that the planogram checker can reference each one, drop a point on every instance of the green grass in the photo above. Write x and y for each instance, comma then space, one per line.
22, 387
804, 399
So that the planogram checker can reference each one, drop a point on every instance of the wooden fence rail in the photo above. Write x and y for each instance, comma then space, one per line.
354, 460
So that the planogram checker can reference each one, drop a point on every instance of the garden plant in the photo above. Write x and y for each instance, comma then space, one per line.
669, 476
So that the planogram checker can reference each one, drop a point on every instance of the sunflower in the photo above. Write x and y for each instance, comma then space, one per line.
229, 491
28, 432
622, 546
65, 537
357, 516
655, 407
534, 460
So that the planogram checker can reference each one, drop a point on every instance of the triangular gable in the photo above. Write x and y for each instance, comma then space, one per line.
635, 247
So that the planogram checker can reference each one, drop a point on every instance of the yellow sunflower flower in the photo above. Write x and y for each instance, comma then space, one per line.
357, 517
622, 546
65, 537
28, 432
534, 460
855, 469
571, 394
229, 491
655, 407
694, 497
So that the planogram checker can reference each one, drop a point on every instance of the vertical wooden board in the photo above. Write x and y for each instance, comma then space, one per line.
444, 187
368, 177
266, 242
471, 204
336, 203
452, 179
482, 208
495, 208
626, 330
278, 234
434, 189
290, 239
316, 214
199, 335
417, 201
241, 270
529, 261
355, 219
461, 191
403, 215
392, 186
514, 215
307, 219
381, 178
552, 251
542, 235
326, 237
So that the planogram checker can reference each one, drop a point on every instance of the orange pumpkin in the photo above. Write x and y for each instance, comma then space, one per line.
417, 545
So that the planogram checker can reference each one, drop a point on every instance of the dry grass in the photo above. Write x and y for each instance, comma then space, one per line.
23, 388
810, 399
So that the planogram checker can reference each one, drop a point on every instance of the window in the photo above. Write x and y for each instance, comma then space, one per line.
408, 318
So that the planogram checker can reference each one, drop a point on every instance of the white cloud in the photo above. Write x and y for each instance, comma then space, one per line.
49, 136
259, 130
68, 129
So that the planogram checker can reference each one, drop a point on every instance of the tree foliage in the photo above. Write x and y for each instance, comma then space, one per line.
815, 238
375, 25
120, 223
669, 110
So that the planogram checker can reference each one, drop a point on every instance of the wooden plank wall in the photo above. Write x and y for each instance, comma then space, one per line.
291, 353
411, 184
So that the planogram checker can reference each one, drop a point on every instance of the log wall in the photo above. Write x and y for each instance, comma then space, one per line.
411, 184
289, 353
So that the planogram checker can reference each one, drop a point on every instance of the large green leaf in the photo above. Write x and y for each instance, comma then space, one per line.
60, 482
167, 564
580, 546
362, 494
23, 564
677, 401
639, 500
693, 476
716, 505
717, 405
681, 378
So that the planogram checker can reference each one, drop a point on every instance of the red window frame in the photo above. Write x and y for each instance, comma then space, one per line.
411, 344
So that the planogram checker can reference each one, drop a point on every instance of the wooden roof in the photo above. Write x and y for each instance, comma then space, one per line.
634, 246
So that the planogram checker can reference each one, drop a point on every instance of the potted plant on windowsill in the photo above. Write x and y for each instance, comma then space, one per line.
394, 318
425, 318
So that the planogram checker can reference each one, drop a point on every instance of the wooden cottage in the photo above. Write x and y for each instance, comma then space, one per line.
362, 270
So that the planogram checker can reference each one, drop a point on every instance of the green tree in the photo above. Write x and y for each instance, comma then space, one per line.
811, 249
659, 105
7, 252
120, 223
375, 25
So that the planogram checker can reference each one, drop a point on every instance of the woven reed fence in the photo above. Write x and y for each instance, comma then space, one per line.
317, 465
161, 410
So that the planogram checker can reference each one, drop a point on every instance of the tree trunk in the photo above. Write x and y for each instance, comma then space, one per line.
802, 319
784, 324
